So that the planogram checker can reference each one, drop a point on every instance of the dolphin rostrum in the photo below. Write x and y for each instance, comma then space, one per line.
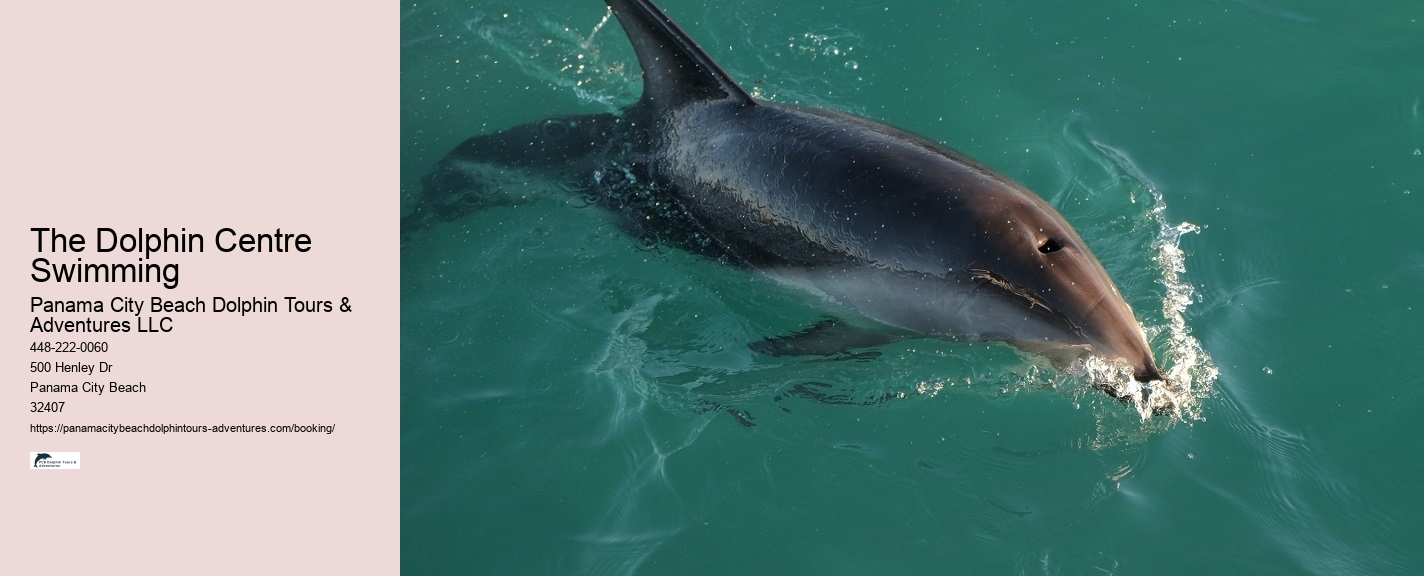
895, 230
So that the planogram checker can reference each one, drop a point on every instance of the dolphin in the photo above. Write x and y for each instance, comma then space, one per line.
899, 234
40, 456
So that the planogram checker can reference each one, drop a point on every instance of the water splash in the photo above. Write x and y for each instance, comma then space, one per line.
828, 50
1188, 367
562, 55
1110, 196
1190, 372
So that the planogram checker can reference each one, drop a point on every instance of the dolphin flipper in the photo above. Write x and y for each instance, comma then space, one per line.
830, 337
828, 394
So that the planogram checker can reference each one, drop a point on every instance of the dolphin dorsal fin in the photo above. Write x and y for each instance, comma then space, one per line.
675, 70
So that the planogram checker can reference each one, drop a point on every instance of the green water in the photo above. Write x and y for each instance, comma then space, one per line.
558, 376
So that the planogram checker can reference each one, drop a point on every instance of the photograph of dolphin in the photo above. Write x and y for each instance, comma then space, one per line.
899, 235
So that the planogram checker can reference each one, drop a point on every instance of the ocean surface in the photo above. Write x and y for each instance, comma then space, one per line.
578, 401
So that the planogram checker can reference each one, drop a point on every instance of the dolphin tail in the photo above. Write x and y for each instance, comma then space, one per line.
675, 70
482, 171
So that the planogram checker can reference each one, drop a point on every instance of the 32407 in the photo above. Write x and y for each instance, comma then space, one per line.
46, 406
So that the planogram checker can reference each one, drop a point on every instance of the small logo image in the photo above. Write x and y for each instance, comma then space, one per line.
54, 460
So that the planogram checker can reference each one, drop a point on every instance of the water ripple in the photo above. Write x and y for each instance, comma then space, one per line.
1300, 499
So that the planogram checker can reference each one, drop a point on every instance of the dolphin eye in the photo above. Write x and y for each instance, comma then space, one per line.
470, 199
1050, 246
554, 128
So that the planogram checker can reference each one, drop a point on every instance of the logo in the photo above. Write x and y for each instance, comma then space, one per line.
54, 460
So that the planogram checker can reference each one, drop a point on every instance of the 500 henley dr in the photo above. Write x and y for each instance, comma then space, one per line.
227, 240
